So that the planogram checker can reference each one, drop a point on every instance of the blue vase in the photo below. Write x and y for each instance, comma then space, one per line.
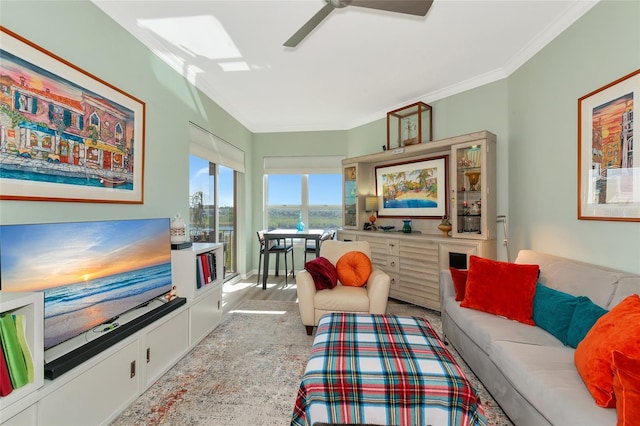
406, 228
300, 225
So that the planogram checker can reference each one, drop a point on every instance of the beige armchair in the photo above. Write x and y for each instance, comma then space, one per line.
371, 298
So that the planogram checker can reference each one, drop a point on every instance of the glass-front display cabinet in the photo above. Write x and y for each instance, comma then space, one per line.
473, 182
350, 197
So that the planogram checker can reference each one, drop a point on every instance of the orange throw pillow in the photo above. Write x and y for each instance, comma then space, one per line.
501, 288
354, 268
618, 329
626, 387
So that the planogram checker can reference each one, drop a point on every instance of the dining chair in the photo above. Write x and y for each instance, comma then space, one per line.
277, 247
310, 243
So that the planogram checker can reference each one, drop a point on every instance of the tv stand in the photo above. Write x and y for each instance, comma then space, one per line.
83, 347
129, 366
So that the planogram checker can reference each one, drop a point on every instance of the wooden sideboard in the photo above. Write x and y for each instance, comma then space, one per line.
414, 260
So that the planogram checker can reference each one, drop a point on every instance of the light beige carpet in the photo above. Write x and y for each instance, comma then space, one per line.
247, 372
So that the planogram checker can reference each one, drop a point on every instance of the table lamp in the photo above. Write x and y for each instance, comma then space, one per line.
371, 205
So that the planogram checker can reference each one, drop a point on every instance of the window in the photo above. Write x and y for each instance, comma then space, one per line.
212, 215
315, 199
215, 168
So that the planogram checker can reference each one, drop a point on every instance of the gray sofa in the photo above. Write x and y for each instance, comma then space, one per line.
529, 372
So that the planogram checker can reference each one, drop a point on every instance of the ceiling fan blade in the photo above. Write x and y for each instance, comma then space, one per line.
309, 26
411, 7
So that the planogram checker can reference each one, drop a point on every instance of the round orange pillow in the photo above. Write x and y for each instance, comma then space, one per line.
353, 269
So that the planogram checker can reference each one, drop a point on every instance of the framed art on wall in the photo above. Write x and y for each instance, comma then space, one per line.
413, 189
608, 167
65, 134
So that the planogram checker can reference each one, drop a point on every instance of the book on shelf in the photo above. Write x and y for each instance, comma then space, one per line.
5, 382
21, 330
206, 269
13, 351
198, 274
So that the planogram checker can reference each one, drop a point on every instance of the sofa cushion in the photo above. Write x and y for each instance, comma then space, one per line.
574, 277
342, 298
485, 328
585, 315
501, 288
625, 287
547, 378
581, 279
553, 310
459, 277
626, 386
354, 268
323, 272
619, 329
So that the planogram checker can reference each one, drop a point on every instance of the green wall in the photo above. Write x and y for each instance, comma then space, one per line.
601, 47
81, 33
533, 112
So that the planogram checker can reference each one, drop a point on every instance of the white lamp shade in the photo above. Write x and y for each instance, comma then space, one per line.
371, 204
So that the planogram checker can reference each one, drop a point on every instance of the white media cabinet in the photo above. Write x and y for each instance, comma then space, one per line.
98, 390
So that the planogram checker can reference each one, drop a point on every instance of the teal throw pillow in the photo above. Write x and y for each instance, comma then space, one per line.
584, 317
553, 311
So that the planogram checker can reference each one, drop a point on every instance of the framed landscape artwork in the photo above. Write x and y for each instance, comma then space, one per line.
65, 134
413, 189
608, 165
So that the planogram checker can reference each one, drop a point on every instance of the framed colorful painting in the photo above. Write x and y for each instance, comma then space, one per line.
65, 134
413, 189
608, 167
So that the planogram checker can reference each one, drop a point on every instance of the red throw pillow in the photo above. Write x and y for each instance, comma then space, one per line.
618, 329
323, 272
354, 268
459, 277
501, 288
626, 387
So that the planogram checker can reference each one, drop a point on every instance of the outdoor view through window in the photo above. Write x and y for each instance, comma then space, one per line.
202, 207
314, 199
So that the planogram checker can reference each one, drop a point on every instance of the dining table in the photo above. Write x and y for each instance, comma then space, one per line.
286, 234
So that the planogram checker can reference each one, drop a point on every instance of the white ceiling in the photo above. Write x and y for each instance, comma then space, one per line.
357, 65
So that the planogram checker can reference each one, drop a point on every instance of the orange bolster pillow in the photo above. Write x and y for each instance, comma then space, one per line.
354, 268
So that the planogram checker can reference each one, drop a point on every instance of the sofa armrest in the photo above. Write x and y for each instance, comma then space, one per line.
306, 292
447, 289
378, 291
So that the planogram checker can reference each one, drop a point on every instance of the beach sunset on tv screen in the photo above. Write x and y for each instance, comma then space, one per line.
89, 272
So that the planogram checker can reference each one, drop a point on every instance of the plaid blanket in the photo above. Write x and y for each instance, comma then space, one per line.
383, 370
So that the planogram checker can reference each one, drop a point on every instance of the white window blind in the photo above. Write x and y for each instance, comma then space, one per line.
319, 164
206, 145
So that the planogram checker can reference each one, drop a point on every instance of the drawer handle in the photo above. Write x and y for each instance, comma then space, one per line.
393, 263
393, 280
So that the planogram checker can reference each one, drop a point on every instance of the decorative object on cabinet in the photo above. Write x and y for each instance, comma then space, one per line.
413, 189
406, 227
607, 189
371, 206
178, 230
473, 178
76, 124
409, 125
445, 226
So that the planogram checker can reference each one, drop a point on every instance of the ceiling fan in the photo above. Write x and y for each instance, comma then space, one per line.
411, 7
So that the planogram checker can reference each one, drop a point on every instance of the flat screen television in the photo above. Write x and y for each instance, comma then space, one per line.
90, 272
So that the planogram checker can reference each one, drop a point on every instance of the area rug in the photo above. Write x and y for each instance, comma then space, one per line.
247, 372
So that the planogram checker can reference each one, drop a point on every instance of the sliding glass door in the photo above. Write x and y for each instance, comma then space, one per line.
212, 211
